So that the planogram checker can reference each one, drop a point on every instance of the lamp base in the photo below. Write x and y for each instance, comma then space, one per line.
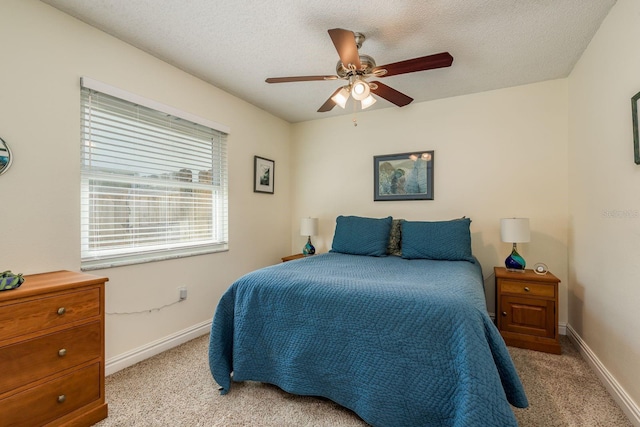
514, 261
308, 249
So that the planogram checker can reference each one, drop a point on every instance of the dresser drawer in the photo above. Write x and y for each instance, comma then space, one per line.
46, 402
517, 287
34, 315
46, 355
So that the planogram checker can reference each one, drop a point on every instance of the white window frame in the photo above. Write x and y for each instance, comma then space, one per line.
216, 241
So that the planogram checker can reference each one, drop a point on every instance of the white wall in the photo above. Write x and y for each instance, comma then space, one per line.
497, 154
44, 53
604, 242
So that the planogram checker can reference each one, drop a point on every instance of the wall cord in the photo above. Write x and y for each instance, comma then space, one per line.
150, 310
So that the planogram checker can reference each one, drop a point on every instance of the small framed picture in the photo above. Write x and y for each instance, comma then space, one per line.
263, 175
405, 176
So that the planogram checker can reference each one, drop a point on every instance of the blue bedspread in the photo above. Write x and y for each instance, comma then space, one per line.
399, 342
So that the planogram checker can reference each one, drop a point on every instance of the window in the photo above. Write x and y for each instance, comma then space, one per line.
154, 180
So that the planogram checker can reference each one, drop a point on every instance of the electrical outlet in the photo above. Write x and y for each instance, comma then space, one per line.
183, 293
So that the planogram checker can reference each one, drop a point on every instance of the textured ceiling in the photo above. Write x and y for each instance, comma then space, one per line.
235, 45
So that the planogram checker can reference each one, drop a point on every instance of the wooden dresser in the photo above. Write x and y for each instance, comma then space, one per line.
52, 351
527, 309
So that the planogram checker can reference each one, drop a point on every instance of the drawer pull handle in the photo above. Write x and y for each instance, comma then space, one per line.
61, 311
526, 289
504, 313
62, 352
62, 398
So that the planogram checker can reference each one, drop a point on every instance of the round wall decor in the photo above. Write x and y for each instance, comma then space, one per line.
5, 156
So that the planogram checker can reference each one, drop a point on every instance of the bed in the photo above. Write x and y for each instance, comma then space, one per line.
400, 340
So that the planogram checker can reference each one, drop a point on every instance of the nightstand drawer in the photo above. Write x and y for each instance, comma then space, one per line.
46, 355
36, 315
517, 287
52, 399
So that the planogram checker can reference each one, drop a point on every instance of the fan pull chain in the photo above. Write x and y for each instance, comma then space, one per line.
355, 111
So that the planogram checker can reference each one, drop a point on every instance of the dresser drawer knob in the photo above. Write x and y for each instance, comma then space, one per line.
62, 311
504, 313
62, 352
62, 398
526, 289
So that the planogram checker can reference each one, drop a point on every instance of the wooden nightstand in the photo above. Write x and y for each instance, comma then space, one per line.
527, 309
292, 257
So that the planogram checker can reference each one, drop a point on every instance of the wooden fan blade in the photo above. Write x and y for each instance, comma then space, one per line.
329, 104
391, 95
345, 43
430, 62
299, 79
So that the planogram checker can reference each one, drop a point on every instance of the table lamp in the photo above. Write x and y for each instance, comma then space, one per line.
308, 227
515, 230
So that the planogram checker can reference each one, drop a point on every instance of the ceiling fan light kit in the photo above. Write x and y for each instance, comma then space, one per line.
367, 102
356, 68
341, 96
360, 90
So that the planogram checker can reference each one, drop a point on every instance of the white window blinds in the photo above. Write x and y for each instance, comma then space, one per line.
154, 185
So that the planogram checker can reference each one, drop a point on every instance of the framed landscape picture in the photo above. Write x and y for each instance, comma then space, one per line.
263, 175
405, 176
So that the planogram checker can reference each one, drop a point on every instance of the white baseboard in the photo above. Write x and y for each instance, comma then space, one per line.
124, 360
628, 406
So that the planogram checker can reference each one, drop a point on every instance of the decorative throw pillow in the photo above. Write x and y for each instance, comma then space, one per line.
395, 238
361, 236
439, 240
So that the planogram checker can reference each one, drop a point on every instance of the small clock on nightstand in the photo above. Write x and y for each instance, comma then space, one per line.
527, 309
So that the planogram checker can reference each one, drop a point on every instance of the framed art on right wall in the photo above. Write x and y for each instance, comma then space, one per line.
636, 138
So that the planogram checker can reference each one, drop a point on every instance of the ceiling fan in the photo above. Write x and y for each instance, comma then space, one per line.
357, 69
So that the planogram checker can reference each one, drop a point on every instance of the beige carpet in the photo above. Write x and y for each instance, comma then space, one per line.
175, 388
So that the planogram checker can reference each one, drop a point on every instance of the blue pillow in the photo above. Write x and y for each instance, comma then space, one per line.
361, 236
439, 240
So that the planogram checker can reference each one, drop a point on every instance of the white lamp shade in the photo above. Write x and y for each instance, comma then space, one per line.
515, 230
309, 226
341, 97
360, 90
367, 102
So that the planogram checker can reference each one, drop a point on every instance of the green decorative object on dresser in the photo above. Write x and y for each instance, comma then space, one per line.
9, 281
